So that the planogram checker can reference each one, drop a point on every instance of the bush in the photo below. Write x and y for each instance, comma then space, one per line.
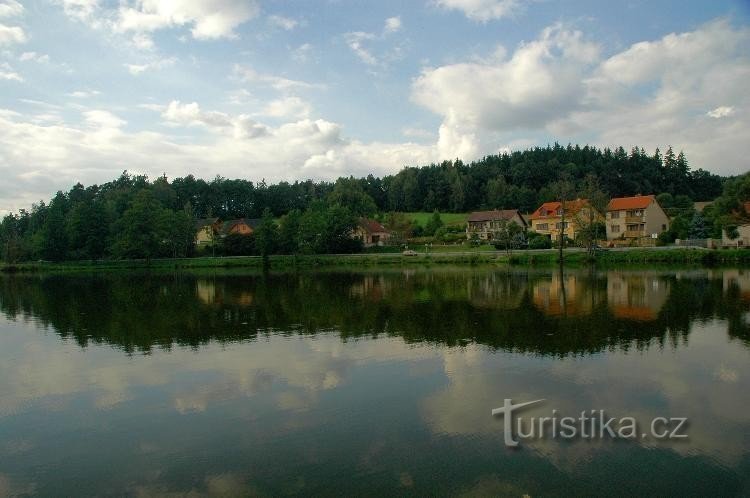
539, 241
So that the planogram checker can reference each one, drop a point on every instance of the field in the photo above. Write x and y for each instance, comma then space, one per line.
421, 218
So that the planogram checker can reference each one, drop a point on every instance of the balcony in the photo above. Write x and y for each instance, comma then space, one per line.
634, 219
634, 234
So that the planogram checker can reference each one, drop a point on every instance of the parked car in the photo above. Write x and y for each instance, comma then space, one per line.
409, 252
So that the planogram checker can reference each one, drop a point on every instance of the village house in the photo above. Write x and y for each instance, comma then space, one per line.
547, 219
742, 239
206, 230
371, 233
241, 226
635, 217
484, 223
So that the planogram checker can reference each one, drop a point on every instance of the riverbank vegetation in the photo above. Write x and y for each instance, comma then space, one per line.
425, 256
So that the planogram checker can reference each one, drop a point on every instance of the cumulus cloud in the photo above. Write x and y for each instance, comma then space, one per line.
208, 19
10, 35
191, 114
41, 158
287, 107
483, 10
10, 8
540, 82
652, 93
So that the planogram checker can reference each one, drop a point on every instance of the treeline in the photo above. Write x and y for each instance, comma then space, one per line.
133, 217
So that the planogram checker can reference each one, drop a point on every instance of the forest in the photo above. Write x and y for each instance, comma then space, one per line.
135, 217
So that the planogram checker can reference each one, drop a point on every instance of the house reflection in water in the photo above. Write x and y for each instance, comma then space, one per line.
636, 296
205, 290
567, 294
209, 293
739, 279
496, 291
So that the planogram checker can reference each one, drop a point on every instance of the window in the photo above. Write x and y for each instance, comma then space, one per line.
542, 226
615, 228
615, 215
635, 228
664, 228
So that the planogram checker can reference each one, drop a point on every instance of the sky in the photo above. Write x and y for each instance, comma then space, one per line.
291, 90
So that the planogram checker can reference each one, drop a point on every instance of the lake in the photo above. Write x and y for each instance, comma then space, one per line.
371, 383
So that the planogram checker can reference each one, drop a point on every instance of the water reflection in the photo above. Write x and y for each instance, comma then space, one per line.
514, 311
369, 383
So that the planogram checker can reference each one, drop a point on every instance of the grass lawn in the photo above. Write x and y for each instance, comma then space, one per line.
448, 218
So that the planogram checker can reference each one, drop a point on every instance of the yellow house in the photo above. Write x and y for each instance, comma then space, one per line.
635, 217
547, 219
206, 230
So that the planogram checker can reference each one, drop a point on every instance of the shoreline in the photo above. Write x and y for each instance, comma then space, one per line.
574, 258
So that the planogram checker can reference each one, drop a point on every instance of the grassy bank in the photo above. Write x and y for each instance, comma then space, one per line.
422, 217
638, 257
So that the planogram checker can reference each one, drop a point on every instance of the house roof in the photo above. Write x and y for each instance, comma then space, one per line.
372, 226
549, 209
205, 222
635, 202
227, 226
495, 214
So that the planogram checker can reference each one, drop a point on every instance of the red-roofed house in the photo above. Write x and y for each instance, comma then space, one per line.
371, 232
484, 223
635, 217
547, 219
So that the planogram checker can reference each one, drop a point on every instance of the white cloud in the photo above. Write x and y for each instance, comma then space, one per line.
721, 112
10, 8
285, 23
287, 107
137, 69
483, 10
249, 75
100, 119
358, 40
84, 94
240, 127
650, 94
101, 147
83, 10
33, 56
7, 73
143, 41
392, 24
419, 133
11, 34
302, 53
539, 83
209, 19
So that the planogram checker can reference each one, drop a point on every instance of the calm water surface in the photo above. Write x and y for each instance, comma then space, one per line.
370, 383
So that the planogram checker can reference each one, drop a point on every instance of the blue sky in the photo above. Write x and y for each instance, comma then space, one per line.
287, 90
